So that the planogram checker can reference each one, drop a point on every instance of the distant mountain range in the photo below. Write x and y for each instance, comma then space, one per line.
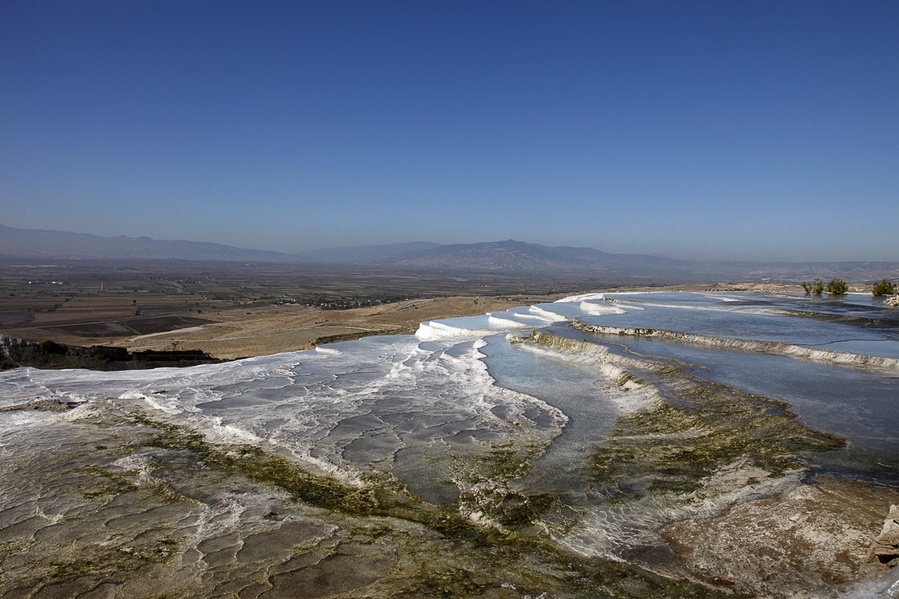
520, 257
508, 257
58, 245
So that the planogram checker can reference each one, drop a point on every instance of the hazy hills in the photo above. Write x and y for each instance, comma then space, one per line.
508, 257
518, 256
58, 245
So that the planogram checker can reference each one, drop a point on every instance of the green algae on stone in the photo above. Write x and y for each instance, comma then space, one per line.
105, 482
396, 544
265, 467
674, 447
486, 487
100, 562
479, 560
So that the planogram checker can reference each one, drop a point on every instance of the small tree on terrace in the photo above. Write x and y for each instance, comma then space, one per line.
884, 287
819, 287
816, 287
837, 287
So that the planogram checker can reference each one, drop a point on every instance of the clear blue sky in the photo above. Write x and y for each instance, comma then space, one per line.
719, 129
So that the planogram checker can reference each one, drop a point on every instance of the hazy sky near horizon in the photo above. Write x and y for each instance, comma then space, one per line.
692, 129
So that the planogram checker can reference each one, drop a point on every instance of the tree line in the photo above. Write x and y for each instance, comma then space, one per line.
839, 287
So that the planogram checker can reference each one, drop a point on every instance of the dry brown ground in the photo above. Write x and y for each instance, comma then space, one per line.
235, 310
226, 329
273, 329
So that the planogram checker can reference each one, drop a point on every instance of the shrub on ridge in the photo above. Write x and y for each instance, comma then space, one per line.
837, 287
884, 287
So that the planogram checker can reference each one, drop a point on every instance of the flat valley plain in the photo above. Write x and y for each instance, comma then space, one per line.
234, 310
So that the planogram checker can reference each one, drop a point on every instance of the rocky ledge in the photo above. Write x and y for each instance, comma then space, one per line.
49, 354
885, 548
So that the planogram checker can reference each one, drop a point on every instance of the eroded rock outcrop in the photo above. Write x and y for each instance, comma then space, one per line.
802, 541
885, 548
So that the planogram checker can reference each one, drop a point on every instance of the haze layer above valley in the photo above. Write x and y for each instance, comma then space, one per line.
510, 257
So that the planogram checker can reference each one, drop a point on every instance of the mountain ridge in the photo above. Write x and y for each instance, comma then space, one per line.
510, 257
47, 244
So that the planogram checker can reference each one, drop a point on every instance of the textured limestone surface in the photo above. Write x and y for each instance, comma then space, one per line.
810, 540
102, 501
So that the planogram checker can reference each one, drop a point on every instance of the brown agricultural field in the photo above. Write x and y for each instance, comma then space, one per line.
239, 310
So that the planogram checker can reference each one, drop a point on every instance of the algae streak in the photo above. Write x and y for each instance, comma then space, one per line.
715, 440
